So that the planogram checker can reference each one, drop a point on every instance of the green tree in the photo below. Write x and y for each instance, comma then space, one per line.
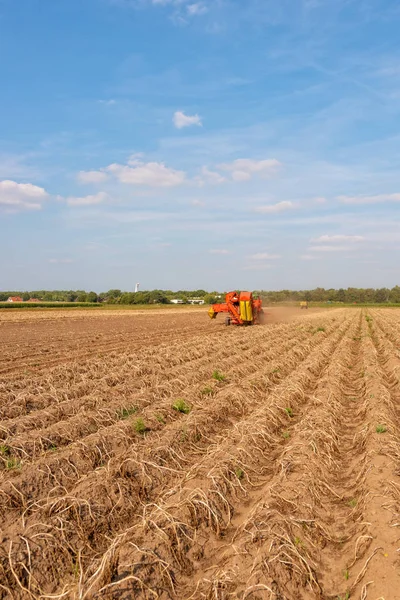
91, 297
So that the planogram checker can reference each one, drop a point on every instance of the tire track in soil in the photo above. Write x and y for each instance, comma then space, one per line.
328, 341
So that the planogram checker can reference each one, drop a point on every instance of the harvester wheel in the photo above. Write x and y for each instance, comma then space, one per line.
227, 321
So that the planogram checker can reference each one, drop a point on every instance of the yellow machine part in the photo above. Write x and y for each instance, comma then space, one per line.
246, 311
211, 313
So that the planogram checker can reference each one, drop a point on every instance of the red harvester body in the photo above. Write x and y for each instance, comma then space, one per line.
241, 309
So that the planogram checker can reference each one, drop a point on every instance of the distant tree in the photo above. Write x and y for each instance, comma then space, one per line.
82, 297
25, 296
211, 299
382, 295
91, 297
394, 295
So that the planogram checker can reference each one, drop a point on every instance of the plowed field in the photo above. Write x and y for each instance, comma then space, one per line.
167, 456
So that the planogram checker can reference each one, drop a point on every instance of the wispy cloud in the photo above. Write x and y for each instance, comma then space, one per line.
328, 248
219, 251
378, 199
243, 169
21, 196
209, 177
110, 102
264, 256
198, 8
197, 202
338, 238
91, 176
181, 120
87, 200
273, 209
138, 172
60, 261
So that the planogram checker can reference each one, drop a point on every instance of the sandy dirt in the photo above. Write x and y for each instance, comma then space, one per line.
168, 456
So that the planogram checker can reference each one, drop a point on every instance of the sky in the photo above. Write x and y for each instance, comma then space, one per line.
185, 144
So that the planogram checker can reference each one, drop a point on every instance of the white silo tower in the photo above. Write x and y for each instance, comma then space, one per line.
137, 287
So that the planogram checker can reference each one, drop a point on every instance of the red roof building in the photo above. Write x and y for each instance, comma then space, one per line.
14, 299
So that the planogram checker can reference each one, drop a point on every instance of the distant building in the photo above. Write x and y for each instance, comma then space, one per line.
196, 301
14, 299
176, 301
33, 300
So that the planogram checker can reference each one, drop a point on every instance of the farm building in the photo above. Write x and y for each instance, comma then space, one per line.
14, 299
196, 301
176, 301
33, 300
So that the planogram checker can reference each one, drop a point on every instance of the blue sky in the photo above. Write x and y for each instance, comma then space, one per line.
196, 143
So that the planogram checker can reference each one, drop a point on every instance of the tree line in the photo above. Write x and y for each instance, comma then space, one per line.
348, 296
115, 296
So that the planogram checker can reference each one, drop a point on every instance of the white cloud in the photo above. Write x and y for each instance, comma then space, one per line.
108, 102
257, 267
181, 120
153, 174
87, 200
338, 238
271, 209
197, 202
308, 257
91, 176
319, 200
243, 169
328, 248
21, 196
264, 256
378, 199
197, 9
60, 261
219, 251
208, 176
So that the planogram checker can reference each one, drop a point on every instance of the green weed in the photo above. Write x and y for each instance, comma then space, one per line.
218, 376
320, 328
160, 419
353, 503
239, 473
124, 413
207, 391
181, 406
289, 411
381, 429
286, 435
13, 463
346, 574
298, 542
4, 450
139, 426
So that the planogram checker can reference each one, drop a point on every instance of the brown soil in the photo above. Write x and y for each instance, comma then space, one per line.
281, 481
